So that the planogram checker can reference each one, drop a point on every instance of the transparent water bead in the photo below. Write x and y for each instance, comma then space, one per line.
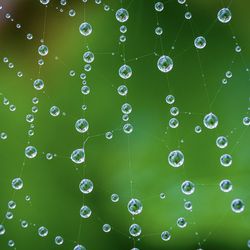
165, 236
79, 247
17, 183
187, 187
125, 71
122, 15
210, 121
226, 160
224, 15
226, 186
38, 84
159, 6
86, 186
176, 158
165, 64
59, 240
200, 42
85, 29
78, 156
135, 230
237, 206
85, 212
221, 142
106, 228
43, 231
30, 152
82, 125
43, 50
2, 229
135, 206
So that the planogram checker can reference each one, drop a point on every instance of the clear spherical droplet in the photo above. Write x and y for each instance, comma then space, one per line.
109, 135
226, 160
159, 6
187, 187
78, 156
176, 158
135, 230
88, 57
54, 111
38, 84
181, 222
197, 129
59, 240
165, 64
221, 142
200, 42
210, 121
2, 229
85, 29
173, 123
30, 152
44, 2
122, 15
122, 90
170, 99
82, 125
188, 205
85, 212
86, 186
165, 235
188, 15
24, 224
79, 247
224, 15
135, 206
43, 231
174, 111
17, 183
106, 228
114, 198
226, 186
128, 128
11, 204
11, 243
125, 71
43, 50
246, 121
3, 136
158, 31
237, 206
126, 108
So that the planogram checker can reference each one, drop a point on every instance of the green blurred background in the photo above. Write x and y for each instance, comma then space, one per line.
53, 185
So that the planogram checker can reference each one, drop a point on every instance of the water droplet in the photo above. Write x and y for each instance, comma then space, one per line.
78, 156
122, 15
176, 158
17, 183
135, 206
237, 206
85, 212
210, 121
86, 186
200, 42
224, 15
85, 29
187, 187
135, 230
165, 64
